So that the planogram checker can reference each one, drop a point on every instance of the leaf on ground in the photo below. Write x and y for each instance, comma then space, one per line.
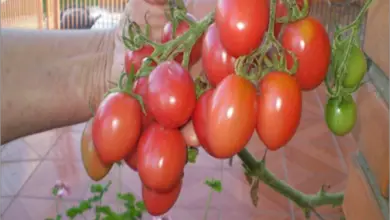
214, 184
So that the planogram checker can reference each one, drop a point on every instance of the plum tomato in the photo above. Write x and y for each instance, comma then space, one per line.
141, 88
282, 11
341, 115
309, 41
199, 118
231, 116
162, 155
135, 58
356, 67
189, 135
116, 127
182, 28
241, 24
131, 160
171, 94
216, 62
279, 107
94, 167
158, 203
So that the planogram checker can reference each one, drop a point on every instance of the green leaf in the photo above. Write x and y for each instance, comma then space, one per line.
58, 217
73, 212
84, 206
119, 163
128, 197
97, 188
111, 215
214, 184
141, 206
95, 198
54, 191
192, 154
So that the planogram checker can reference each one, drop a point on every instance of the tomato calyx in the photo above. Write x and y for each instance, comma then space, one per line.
294, 12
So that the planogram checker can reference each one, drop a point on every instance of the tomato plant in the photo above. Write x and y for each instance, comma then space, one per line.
182, 28
279, 107
231, 116
356, 67
141, 88
241, 25
282, 11
94, 167
171, 94
200, 119
116, 127
158, 203
309, 41
135, 58
162, 155
341, 115
216, 62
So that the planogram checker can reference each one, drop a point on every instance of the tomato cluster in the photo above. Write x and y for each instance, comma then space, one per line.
153, 136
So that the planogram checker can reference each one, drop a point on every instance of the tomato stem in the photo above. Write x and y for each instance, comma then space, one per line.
302, 200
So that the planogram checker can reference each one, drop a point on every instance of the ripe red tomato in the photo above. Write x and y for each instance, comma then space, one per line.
135, 58
231, 116
282, 11
158, 203
171, 94
116, 127
156, 2
93, 165
199, 118
162, 155
141, 88
182, 28
279, 108
309, 41
216, 62
131, 160
241, 24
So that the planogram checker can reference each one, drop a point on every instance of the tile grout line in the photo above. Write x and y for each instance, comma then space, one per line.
284, 164
32, 173
334, 140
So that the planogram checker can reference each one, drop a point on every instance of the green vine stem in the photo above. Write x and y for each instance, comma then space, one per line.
338, 70
258, 170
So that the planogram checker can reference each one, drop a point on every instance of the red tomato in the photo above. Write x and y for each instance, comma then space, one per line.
180, 30
309, 41
162, 155
279, 108
93, 165
116, 127
158, 203
241, 24
135, 58
141, 88
132, 159
156, 2
216, 62
189, 135
199, 118
231, 116
171, 94
282, 11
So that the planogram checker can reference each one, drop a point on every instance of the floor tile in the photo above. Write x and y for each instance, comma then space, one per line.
49, 172
78, 128
193, 214
204, 160
43, 142
14, 175
4, 203
66, 148
18, 150
236, 215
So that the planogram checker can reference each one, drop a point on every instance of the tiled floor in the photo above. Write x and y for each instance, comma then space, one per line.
31, 166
